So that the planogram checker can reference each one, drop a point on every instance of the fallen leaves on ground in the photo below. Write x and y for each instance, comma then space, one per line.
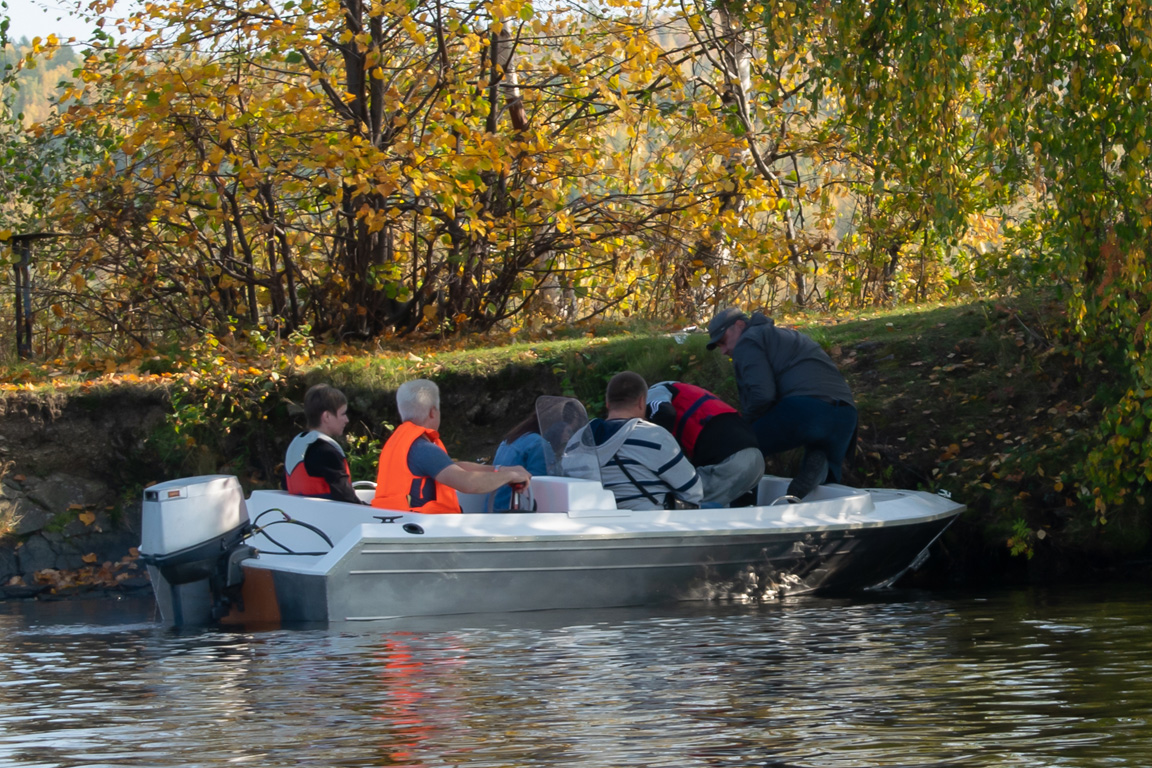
105, 575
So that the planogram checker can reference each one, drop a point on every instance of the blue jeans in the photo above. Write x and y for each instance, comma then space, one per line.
808, 422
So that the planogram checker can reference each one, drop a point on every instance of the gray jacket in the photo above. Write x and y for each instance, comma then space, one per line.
774, 363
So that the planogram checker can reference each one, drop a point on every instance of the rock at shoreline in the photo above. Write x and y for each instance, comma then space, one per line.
65, 462
60, 492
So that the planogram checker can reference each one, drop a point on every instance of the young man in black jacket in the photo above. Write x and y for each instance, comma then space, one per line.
314, 463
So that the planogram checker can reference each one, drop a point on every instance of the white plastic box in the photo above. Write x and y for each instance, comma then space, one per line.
570, 494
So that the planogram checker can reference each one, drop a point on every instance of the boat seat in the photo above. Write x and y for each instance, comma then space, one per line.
473, 503
773, 489
570, 494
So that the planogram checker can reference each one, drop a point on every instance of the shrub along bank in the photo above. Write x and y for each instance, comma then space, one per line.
979, 400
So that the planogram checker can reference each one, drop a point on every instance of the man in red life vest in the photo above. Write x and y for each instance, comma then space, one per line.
415, 471
315, 464
714, 437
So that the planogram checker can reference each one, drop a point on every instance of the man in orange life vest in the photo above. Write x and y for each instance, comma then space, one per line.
315, 463
415, 471
714, 437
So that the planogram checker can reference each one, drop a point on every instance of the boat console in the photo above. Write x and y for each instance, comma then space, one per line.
570, 494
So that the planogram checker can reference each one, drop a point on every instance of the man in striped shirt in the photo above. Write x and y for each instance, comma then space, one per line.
640, 462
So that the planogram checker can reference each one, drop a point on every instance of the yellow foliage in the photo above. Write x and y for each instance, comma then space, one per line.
245, 157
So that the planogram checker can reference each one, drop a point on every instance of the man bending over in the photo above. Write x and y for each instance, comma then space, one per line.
791, 393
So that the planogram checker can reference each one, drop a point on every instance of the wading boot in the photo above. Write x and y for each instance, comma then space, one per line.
813, 471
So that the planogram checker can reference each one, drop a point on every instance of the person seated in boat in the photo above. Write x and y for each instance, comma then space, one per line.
714, 437
315, 464
791, 393
415, 471
640, 462
523, 446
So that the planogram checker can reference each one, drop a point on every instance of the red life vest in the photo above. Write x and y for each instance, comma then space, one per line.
396, 486
299, 482
694, 407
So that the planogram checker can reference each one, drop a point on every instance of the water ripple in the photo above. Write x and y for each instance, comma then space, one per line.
1013, 679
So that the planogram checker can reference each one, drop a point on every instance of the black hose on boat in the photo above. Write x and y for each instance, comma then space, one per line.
256, 528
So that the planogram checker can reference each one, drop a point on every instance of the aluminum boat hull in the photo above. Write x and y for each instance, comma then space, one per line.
385, 565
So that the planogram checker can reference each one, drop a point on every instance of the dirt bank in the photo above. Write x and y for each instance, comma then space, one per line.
68, 466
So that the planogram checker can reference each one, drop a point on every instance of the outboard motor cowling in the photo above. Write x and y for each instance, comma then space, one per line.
190, 530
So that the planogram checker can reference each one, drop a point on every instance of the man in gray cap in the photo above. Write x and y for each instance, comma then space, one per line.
790, 391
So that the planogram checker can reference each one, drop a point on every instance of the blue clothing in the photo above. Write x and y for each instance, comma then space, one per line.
425, 459
530, 451
796, 422
793, 394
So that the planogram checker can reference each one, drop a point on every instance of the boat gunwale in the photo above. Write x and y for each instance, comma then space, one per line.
476, 545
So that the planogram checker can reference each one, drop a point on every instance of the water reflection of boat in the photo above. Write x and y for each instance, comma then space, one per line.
281, 558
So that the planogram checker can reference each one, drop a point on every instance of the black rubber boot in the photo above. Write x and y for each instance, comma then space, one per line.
813, 471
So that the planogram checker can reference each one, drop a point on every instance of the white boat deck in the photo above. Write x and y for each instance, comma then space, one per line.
588, 516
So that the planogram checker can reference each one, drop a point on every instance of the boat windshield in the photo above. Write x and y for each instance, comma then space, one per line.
560, 418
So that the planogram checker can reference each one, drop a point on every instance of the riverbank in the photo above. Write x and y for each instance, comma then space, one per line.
67, 464
978, 400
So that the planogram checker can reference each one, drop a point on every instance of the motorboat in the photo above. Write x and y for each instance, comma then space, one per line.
274, 558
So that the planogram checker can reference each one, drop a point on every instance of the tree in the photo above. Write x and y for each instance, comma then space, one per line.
368, 165
384, 163
1071, 108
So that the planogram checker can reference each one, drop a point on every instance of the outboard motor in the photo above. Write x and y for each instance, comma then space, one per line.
191, 539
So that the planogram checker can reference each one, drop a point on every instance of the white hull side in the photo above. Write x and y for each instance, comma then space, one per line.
427, 565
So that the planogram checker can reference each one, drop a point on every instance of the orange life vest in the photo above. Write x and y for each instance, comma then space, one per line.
694, 407
298, 480
397, 487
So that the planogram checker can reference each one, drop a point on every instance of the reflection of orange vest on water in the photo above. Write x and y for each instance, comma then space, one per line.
694, 407
398, 488
299, 482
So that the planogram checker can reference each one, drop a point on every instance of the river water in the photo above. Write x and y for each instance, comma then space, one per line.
1013, 678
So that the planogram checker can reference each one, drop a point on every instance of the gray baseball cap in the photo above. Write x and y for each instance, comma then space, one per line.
721, 323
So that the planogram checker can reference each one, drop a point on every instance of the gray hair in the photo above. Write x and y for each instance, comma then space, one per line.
415, 398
